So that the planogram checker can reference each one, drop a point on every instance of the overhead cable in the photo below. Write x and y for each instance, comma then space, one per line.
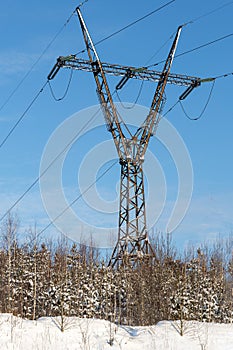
149, 14
37, 61
82, 3
66, 91
194, 49
183, 109
170, 109
202, 112
49, 166
191, 22
223, 75
78, 197
128, 25
136, 100
160, 48
209, 13
204, 45
23, 115
59, 32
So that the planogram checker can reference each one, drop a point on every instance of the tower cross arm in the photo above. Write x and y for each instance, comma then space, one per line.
139, 73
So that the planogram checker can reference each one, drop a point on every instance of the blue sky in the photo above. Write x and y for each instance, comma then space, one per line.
28, 27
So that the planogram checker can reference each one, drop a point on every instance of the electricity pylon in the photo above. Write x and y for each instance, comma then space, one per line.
133, 241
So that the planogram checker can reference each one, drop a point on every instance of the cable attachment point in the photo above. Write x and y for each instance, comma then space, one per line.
189, 89
81, 4
58, 65
129, 74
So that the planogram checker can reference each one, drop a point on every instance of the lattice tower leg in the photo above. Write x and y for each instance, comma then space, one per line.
133, 243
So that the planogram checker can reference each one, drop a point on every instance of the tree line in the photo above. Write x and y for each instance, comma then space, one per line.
65, 279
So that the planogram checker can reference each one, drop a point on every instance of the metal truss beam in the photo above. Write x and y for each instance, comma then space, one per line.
140, 73
133, 242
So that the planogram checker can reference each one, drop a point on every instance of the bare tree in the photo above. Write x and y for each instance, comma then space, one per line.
9, 240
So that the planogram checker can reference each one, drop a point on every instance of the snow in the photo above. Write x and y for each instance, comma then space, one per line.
93, 334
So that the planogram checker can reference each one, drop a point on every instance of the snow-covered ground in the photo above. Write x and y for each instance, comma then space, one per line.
88, 334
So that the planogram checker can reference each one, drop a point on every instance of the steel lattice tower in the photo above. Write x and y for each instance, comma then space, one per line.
133, 241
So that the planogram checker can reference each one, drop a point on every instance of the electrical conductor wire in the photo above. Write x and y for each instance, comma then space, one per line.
78, 197
209, 13
186, 52
136, 100
202, 112
66, 91
128, 25
37, 61
49, 166
23, 115
194, 49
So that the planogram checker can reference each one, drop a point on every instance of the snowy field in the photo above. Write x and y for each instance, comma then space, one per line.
88, 334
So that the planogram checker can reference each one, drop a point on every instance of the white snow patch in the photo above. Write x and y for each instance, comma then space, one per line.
92, 334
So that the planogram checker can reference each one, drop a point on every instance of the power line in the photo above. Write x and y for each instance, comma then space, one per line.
37, 61
149, 14
128, 25
82, 3
78, 197
160, 48
66, 91
209, 13
49, 166
52, 41
136, 100
223, 76
191, 22
202, 112
23, 115
204, 45
102, 40
194, 49
170, 109
207, 102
